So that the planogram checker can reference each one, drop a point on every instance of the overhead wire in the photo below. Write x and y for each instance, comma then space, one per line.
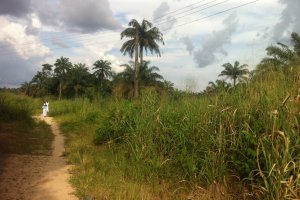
208, 16
217, 13
177, 10
174, 19
84, 37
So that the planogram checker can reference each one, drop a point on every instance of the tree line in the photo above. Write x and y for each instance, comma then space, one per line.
66, 79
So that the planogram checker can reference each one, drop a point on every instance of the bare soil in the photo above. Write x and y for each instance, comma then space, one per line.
37, 177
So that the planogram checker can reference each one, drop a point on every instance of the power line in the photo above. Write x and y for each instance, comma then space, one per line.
84, 38
178, 10
217, 13
174, 19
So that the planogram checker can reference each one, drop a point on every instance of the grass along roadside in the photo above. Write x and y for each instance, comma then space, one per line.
19, 132
237, 144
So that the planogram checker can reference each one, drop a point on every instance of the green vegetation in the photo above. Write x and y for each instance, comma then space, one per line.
231, 141
143, 37
19, 132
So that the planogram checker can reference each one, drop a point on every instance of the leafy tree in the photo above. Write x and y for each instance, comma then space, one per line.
62, 65
236, 72
142, 36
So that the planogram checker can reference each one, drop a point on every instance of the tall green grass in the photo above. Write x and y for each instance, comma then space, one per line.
19, 132
244, 142
16, 107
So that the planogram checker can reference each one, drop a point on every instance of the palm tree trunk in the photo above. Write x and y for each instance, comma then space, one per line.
141, 55
60, 86
234, 82
136, 74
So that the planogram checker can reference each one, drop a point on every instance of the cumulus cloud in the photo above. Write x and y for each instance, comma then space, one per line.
214, 44
13, 71
15, 35
73, 15
161, 10
48, 12
161, 19
87, 16
17, 8
189, 45
19, 53
289, 20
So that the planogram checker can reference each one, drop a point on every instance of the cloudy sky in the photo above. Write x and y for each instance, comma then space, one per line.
199, 35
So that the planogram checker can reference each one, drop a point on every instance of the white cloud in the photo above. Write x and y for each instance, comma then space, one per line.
25, 45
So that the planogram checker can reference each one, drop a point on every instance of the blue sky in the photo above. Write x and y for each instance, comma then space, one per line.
33, 33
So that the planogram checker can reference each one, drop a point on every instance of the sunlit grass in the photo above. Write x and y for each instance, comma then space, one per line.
236, 144
19, 132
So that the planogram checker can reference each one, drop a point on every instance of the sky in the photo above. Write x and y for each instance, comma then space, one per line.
199, 35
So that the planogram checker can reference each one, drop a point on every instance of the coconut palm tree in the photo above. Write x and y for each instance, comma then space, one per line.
236, 72
62, 65
142, 36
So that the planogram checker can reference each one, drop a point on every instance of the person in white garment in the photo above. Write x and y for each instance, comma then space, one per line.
47, 104
44, 107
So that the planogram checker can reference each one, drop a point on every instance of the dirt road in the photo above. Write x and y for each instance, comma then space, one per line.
30, 177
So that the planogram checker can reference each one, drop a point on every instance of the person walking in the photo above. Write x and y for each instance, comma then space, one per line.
47, 104
44, 107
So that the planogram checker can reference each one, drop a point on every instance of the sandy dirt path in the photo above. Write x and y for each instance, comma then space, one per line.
29, 177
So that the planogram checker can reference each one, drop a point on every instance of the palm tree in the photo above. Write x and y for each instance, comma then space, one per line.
78, 78
102, 70
26, 87
168, 85
62, 65
281, 56
296, 41
142, 36
148, 77
217, 86
47, 69
235, 72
